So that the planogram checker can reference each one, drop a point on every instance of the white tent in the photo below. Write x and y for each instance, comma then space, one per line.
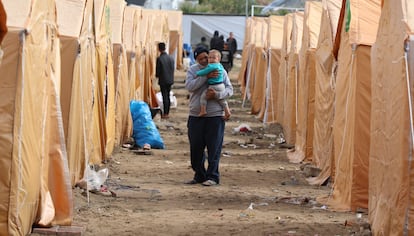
196, 26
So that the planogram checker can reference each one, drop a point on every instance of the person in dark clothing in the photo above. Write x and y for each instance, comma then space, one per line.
232, 42
203, 43
216, 42
221, 43
165, 74
226, 58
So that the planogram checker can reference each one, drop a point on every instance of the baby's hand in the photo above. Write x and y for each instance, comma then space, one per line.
210, 94
213, 74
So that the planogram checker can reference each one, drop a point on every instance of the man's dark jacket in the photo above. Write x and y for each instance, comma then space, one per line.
165, 69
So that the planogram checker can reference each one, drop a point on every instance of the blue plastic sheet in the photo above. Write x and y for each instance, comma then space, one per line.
144, 129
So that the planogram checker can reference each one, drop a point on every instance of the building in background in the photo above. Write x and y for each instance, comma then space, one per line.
136, 2
291, 5
157, 4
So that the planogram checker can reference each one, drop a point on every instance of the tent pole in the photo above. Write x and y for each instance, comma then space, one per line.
247, 8
410, 106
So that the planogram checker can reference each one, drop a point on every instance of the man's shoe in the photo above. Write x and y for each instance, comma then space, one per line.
209, 183
193, 181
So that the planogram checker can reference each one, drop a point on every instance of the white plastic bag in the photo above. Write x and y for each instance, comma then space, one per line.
173, 100
95, 179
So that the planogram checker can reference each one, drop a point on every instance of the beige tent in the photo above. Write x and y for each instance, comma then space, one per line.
145, 53
268, 111
261, 59
88, 67
175, 25
305, 87
36, 186
242, 77
390, 164
79, 74
69, 31
290, 71
283, 73
105, 87
130, 30
142, 30
123, 120
257, 64
157, 24
353, 105
324, 92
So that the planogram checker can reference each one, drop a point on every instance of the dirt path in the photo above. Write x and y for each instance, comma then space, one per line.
261, 193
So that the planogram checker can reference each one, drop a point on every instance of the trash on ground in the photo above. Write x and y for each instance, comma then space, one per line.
271, 136
252, 204
127, 145
92, 179
226, 154
243, 128
280, 139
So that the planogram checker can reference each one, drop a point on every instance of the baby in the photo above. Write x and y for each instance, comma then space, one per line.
216, 83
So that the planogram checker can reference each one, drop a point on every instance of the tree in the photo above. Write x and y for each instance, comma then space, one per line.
235, 7
187, 8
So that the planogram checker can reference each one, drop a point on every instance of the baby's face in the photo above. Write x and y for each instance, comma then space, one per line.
213, 58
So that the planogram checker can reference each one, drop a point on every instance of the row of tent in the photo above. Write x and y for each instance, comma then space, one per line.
68, 73
337, 77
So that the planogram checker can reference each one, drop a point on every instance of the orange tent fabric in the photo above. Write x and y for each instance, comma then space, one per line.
292, 74
391, 175
123, 120
353, 106
324, 92
268, 110
306, 84
36, 186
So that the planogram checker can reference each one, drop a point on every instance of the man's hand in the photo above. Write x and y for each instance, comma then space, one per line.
213, 74
210, 94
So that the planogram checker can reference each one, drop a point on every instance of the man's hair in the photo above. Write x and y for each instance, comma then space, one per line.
199, 50
216, 53
161, 47
203, 39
